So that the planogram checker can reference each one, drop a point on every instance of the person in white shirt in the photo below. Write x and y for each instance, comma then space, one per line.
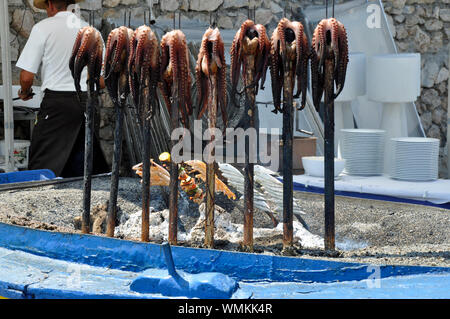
58, 137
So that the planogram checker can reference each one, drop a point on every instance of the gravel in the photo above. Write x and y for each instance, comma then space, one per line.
368, 231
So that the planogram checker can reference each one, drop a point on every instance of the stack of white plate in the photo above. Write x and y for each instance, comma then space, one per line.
414, 158
363, 151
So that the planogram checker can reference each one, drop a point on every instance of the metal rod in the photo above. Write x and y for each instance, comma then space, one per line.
326, 9
88, 155
8, 115
329, 150
173, 184
333, 10
287, 137
210, 166
250, 109
145, 120
448, 124
112, 206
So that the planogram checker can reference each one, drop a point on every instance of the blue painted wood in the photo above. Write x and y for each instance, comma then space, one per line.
138, 256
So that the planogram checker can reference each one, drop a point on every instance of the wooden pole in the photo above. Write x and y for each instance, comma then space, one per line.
88, 155
210, 166
329, 150
112, 208
173, 185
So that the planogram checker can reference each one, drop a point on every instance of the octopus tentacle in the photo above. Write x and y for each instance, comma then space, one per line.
211, 62
248, 32
143, 68
116, 60
174, 68
332, 33
87, 51
292, 35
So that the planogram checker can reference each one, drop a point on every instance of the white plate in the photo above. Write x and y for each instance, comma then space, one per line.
415, 140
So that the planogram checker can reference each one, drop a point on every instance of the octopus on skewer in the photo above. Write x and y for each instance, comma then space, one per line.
250, 40
115, 66
289, 41
211, 63
87, 51
174, 70
329, 36
143, 68
115, 70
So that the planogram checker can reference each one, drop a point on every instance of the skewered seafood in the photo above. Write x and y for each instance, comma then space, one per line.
174, 71
200, 168
116, 60
143, 66
329, 33
87, 51
116, 80
211, 63
160, 177
251, 39
288, 41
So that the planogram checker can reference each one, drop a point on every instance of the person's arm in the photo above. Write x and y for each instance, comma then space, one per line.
29, 61
26, 81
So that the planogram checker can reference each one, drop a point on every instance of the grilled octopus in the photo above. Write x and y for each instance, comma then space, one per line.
87, 51
143, 68
251, 39
115, 67
329, 36
211, 63
174, 69
288, 41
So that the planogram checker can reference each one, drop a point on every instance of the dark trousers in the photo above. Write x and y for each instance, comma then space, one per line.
58, 137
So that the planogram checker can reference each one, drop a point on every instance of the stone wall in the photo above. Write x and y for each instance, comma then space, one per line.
418, 26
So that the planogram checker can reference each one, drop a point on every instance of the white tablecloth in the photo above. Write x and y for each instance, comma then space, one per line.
436, 192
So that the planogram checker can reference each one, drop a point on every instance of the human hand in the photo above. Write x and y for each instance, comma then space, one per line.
25, 95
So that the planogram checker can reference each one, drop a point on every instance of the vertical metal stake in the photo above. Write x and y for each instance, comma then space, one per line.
287, 136
173, 185
88, 156
329, 152
112, 208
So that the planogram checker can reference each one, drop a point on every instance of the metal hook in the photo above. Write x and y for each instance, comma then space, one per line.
326, 9
174, 26
333, 9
